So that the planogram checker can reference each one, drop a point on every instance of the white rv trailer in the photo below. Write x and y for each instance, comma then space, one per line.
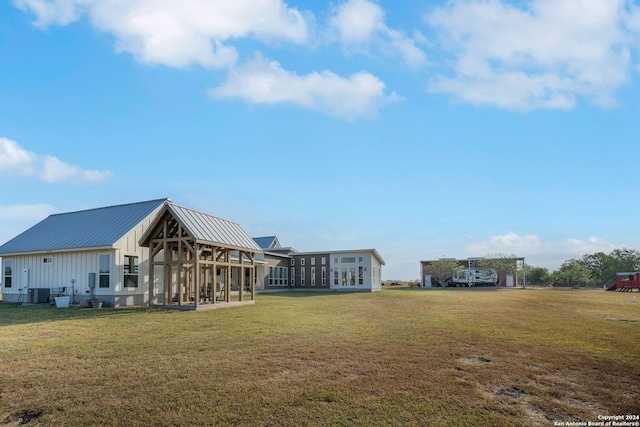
469, 277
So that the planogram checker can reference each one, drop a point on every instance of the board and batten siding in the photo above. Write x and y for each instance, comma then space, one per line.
65, 266
117, 294
54, 275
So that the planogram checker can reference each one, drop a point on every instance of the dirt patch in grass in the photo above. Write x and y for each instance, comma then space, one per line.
23, 417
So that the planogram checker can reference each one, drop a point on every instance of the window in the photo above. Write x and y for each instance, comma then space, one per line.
279, 276
104, 267
336, 280
8, 272
348, 260
360, 259
313, 261
324, 276
313, 274
301, 261
323, 260
130, 271
293, 276
47, 260
352, 276
361, 275
293, 261
301, 276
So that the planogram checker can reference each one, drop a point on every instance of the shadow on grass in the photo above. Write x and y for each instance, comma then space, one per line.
16, 314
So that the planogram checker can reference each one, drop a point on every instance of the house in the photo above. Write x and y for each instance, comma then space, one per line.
160, 253
285, 268
105, 253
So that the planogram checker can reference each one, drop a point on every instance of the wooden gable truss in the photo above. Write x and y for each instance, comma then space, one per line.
187, 272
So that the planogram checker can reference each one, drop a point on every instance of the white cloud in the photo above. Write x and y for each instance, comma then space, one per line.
178, 34
260, 81
538, 251
543, 56
358, 21
56, 12
360, 26
15, 160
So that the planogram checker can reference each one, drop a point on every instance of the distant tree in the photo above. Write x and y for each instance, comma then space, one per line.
536, 275
597, 264
571, 273
442, 270
604, 267
503, 264
625, 260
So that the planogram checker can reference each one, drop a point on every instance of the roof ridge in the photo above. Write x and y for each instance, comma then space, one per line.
202, 213
112, 206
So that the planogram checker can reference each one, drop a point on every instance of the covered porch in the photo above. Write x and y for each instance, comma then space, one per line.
197, 261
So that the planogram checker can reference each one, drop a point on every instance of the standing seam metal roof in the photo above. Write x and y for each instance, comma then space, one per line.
100, 227
209, 228
265, 242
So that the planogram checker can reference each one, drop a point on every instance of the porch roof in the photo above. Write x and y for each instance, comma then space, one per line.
205, 228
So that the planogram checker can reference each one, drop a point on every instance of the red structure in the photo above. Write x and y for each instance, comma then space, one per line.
627, 282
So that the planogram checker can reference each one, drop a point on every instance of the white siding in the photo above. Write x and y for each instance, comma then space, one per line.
57, 274
77, 265
369, 262
375, 274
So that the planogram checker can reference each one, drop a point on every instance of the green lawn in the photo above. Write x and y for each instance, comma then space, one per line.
396, 357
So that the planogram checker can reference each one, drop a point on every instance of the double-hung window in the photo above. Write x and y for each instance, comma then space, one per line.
130, 271
8, 273
104, 268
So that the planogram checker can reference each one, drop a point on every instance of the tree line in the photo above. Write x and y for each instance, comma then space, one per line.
597, 269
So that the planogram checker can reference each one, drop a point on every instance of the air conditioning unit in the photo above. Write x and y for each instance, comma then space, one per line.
38, 295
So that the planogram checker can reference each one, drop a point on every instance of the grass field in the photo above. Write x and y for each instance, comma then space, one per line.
396, 357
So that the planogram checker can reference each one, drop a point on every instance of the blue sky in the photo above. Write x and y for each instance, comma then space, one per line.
421, 129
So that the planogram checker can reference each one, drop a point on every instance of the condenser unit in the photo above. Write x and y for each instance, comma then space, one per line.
38, 295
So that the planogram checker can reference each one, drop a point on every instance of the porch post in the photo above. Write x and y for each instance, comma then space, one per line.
227, 283
151, 250
241, 282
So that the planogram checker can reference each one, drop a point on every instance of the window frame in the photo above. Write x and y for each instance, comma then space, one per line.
129, 262
7, 283
104, 274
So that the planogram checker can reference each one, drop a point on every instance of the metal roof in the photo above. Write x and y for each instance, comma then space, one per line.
267, 242
212, 229
93, 228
